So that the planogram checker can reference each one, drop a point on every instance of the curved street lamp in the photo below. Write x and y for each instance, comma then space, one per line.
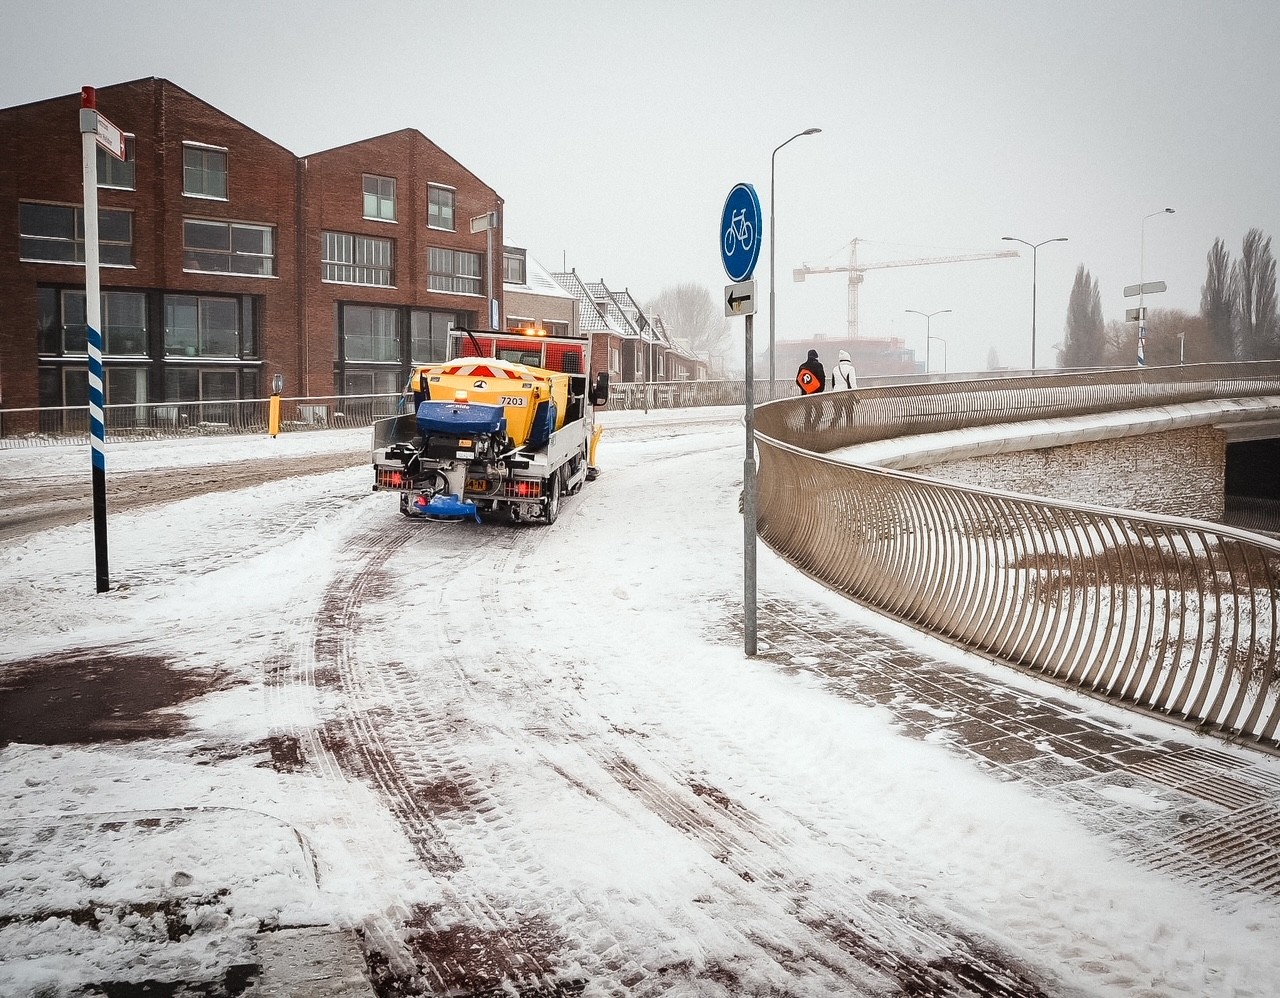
1034, 248
772, 307
928, 321
1142, 311
944, 352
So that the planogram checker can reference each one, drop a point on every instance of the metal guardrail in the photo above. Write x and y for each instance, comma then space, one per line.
170, 420
692, 394
174, 420
1173, 616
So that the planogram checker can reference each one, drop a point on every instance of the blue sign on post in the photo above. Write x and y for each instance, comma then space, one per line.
741, 232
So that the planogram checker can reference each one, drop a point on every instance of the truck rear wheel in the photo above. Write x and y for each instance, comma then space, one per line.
552, 508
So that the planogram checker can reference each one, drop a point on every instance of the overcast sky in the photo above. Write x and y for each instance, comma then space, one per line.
614, 133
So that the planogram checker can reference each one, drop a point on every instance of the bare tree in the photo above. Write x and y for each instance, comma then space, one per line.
1083, 343
693, 316
1219, 303
1119, 344
1175, 337
1256, 275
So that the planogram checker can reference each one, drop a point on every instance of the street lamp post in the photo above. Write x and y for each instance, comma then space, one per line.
772, 306
1142, 311
928, 321
944, 352
1034, 248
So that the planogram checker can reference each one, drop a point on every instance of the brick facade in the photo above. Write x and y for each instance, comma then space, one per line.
290, 317
332, 200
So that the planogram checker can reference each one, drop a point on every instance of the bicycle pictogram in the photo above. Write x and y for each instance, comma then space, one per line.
739, 232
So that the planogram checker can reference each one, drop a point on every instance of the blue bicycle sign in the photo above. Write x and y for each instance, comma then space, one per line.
741, 232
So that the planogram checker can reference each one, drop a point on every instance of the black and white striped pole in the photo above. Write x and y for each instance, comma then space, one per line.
91, 126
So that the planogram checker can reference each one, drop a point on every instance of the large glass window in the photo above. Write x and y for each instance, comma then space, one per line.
68, 385
430, 333
228, 248
114, 172
380, 198
440, 207
195, 384
54, 233
124, 323
454, 271
371, 381
204, 171
201, 326
348, 259
370, 333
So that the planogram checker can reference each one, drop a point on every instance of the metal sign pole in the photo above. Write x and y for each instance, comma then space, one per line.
749, 507
741, 232
93, 320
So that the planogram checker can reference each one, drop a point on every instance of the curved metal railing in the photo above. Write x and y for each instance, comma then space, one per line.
1169, 615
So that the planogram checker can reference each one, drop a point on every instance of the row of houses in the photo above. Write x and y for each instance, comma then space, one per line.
227, 260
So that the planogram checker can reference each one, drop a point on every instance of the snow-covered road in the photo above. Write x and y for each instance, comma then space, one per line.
532, 758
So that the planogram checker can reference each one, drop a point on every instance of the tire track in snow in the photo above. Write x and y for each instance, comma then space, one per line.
849, 942
409, 752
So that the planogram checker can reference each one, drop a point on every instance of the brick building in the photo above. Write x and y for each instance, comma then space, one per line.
227, 259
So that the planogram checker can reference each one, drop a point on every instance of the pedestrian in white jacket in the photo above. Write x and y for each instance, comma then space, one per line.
843, 377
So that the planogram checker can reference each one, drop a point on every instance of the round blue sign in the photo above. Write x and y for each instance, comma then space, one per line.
741, 232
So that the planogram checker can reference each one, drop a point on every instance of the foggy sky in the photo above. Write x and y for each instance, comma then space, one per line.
614, 132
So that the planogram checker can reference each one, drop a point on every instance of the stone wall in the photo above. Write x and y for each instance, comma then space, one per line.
1175, 472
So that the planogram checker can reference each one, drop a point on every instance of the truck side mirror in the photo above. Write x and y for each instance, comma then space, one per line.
600, 390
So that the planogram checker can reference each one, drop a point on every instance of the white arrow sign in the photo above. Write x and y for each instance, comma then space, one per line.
740, 299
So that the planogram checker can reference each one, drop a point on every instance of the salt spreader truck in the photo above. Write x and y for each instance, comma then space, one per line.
507, 427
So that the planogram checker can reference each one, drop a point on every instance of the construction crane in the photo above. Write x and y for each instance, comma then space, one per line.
855, 270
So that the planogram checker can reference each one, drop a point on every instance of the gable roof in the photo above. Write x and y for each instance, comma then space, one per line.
413, 135
158, 87
593, 315
537, 280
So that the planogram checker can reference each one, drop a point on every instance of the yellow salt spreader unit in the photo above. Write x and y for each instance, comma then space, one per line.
487, 435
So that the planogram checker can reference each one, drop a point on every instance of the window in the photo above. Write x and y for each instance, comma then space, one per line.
453, 271
204, 171
124, 323
201, 327
54, 233
348, 259
513, 266
113, 172
430, 335
380, 198
555, 328
193, 384
370, 333
228, 248
439, 207
371, 382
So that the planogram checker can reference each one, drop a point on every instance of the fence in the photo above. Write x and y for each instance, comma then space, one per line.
1173, 616
169, 420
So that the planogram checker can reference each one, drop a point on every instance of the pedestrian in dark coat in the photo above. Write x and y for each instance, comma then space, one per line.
811, 378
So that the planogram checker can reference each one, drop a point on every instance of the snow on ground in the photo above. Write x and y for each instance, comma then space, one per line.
631, 590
